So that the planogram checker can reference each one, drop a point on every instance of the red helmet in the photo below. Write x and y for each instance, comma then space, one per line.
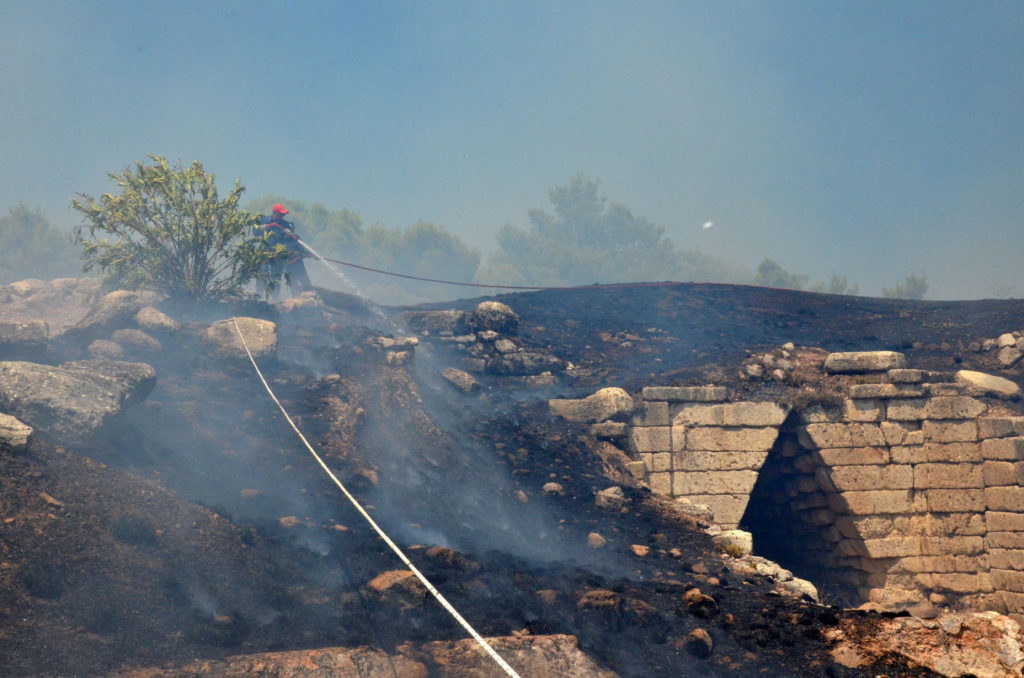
279, 209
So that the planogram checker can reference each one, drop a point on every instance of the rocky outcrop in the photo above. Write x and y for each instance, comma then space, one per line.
985, 645
72, 402
114, 310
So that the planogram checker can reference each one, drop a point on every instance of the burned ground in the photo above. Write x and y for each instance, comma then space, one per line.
199, 528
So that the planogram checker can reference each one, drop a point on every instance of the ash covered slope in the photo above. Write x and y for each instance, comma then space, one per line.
193, 525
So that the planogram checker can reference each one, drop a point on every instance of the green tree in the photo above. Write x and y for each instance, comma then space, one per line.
771, 274
837, 284
168, 230
912, 287
588, 241
31, 248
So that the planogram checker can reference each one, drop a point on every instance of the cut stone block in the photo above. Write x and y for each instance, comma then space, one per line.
907, 376
946, 452
701, 394
950, 431
1000, 473
954, 500
864, 361
885, 390
731, 414
887, 477
818, 436
721, 438
652, 414
854, 456
652, 439
1004, 498
947, 476
999, 521
906, 409
1008, 449
1000, 427
865, 410
874, 502
705, 460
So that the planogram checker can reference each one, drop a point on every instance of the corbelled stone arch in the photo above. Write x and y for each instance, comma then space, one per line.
797, 519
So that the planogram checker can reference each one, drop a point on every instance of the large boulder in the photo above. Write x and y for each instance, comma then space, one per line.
494, 315
221, 338
150, 319
602, 405
114, 310
72, 402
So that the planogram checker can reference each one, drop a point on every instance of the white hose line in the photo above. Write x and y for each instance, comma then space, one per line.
387, 540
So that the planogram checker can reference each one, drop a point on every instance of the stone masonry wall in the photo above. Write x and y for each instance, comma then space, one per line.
908, 493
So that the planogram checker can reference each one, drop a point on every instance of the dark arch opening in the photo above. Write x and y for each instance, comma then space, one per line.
791, 515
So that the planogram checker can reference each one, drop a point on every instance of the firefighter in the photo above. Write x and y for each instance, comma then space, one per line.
281, 232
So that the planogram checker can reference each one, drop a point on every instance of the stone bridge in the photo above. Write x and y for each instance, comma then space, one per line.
906, 489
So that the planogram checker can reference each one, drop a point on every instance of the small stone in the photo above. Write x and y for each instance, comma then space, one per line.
553, 489
789, 346
464, 381
611, 499
753, 370
700, 605
640, 551
738, 540
289, 522
699, 644
522, 497
988, 345
596, 541
1005, 340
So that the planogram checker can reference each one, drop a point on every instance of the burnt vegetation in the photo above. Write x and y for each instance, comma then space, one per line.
197, 527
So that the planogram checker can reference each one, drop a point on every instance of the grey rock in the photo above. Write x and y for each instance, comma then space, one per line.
14, 435
487, 335
988, 345
221, 338
30, 334
27, 287
435, 322
72, 402
600, 406
735, 539
504, 346
980, 383
610, 499
463, 381
137, 341
609, 430
106, 349
1009, 356
525, 363
494, 315
1006, 339
150, 319
113, 311
554, 489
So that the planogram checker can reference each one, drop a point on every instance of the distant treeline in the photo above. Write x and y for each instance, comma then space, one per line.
582, 240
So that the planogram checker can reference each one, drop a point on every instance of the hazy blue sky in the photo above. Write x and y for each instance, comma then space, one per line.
871, 138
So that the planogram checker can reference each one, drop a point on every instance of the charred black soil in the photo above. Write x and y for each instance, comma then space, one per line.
199, 527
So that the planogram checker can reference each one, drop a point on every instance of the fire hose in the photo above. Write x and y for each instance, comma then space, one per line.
380, 532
